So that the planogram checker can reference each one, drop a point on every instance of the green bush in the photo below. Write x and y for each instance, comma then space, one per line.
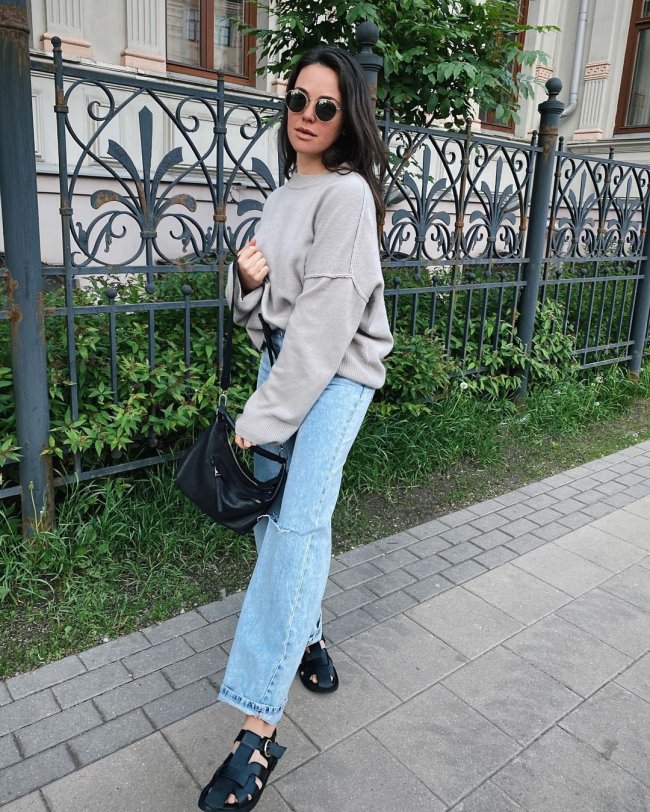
159, 406
503, 357
601, 311
418, 372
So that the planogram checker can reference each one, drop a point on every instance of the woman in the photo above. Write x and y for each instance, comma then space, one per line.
313, 274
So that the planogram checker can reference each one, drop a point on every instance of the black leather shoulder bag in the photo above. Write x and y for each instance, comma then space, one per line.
211, 473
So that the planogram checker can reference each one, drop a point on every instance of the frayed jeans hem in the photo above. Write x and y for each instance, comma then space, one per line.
318, 634
271, 714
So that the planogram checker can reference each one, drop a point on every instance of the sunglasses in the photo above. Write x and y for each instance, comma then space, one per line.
325, 109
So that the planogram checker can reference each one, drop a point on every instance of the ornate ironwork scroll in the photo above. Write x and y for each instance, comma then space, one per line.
598, 222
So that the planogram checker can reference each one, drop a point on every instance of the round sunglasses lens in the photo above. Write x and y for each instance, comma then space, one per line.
325, 109
296, 101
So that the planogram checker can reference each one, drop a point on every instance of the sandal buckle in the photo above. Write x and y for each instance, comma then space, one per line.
265, 750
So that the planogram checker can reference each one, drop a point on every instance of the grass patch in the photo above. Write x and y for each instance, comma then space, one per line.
128, 553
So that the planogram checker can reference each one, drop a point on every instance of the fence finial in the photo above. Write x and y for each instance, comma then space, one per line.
554, 86
367, 34
552, 106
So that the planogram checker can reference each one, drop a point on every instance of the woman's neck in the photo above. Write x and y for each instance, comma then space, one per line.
309, 165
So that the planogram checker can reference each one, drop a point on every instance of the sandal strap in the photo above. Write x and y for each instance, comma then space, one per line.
274, 749
240, 776
316, 656
317, 663
243, 781
237, 775
266, 745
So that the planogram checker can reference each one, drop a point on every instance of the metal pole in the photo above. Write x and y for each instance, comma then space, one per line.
23, 276
550, 111
578, 49
367, 35
641, 313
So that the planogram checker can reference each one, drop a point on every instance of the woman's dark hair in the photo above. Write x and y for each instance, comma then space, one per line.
359, 147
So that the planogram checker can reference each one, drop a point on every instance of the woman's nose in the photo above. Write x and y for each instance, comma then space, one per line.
309, 113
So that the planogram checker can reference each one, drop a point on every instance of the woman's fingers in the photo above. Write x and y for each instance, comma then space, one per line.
260, 268
248, 249
252, 266
242, 443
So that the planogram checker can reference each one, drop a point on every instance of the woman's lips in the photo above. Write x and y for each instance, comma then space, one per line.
303, 133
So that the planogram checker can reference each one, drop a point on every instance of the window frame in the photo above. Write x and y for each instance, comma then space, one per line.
206, 38
637, 24
489, 122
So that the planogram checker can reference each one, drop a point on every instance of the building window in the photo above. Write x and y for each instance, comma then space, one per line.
634, 100
487, 117
203, 37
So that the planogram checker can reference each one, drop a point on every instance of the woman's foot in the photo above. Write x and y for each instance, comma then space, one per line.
240, 780
263, 729
316, 671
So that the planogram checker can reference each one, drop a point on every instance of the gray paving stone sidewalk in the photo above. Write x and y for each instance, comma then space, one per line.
494, 659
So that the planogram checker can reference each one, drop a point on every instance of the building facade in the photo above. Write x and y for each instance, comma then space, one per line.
193, 39
602, 50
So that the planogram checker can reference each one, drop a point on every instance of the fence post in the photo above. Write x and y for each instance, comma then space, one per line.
641, 313
538, 220
23, 274
367, 34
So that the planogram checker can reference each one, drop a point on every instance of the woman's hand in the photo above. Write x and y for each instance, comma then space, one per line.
252, 266
242, 443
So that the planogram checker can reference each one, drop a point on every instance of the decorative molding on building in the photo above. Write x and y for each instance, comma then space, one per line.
597, 70
150, 63
64, 18
593, 99
72, 46
625, 148
543, 73
145, 35
279, 86
588, 135
64, 15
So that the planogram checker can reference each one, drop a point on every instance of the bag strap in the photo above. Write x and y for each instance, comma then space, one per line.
222, 414
268, 339
226, 369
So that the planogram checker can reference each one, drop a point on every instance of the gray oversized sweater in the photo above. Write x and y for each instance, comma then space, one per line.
325, 289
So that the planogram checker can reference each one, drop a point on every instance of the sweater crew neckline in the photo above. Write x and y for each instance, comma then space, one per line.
304, 181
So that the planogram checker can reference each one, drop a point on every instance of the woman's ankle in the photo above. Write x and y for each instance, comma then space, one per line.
258, 726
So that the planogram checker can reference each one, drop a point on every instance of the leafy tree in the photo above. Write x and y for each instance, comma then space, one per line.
440, 56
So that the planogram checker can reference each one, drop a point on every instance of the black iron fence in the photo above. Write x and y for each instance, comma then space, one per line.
462, 231
161, 182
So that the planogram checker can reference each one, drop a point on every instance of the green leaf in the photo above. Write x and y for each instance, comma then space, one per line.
460, 50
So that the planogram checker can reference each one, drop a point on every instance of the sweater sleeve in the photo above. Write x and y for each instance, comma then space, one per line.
339, 272
247, 305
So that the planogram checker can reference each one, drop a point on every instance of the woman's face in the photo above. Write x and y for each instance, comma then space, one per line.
308, 135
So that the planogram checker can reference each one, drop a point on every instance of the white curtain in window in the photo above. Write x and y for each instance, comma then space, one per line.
184, 32
228, 39
638, 114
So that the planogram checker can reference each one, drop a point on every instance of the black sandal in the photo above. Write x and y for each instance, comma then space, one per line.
236, 776
316, 662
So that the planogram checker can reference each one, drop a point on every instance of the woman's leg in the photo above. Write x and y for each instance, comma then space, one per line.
282, 606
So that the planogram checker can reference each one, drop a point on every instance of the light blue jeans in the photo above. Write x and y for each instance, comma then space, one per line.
281, 614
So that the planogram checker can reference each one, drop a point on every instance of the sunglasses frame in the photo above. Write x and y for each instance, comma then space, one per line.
296, 92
